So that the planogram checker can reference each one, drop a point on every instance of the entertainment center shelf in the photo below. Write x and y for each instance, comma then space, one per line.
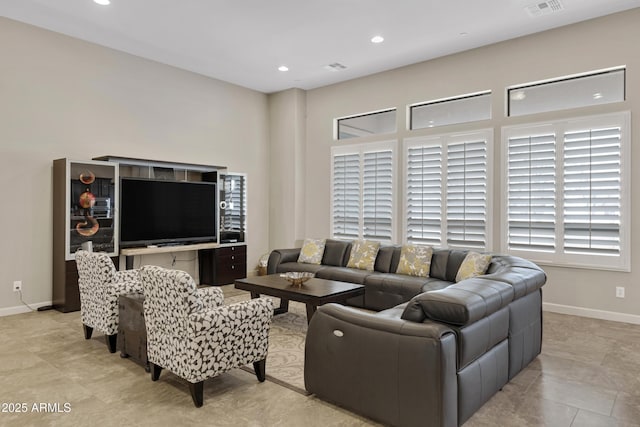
129, 253
89, 206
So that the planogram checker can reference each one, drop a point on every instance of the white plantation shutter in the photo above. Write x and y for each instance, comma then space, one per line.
424, 195
592, 191
531, 192
236, 202
363, 199
377, 195
568, 191
346, 196
467, 194
446, 190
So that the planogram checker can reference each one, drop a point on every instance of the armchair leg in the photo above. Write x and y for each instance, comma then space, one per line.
197, 393
111, 342
88, 330
155, 371
260, 368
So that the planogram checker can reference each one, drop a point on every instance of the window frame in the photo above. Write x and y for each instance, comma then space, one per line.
559, 257
337, 120
444, 140
361, 150
444, 101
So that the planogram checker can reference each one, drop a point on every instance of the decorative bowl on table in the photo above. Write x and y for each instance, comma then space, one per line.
297, 278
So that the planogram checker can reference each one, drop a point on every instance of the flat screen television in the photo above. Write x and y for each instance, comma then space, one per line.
156, 212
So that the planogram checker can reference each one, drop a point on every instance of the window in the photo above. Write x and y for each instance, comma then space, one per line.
446, 190
594, 88
460, 109
567, 197
366, 124
363, 192
235, 198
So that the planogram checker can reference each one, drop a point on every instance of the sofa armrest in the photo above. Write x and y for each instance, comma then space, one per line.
211, 297
391, 370
241, 328
279, 256
128, 276
461, 304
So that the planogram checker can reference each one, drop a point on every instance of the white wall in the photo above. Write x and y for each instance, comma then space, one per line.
592, 45
62, 97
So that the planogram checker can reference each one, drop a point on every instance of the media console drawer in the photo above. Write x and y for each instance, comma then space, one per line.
223, 265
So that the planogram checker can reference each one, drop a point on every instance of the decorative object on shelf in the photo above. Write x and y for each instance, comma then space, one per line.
262, 264
87, 177
87, 200
297, 278
88, 228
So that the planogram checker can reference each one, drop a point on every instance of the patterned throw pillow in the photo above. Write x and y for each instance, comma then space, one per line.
474, 264
312, 251
415, 260
363, 254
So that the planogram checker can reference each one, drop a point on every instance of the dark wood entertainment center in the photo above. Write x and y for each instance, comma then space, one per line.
85, 209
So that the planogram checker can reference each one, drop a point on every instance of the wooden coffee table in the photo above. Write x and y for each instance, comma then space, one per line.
313, 292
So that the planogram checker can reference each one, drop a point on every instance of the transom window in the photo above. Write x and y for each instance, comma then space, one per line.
377, 122
459, 109
594, 88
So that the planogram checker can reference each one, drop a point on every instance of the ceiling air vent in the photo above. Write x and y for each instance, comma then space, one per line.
544, 8
336, 66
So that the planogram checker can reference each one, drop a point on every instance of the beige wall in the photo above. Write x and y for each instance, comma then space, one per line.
597, 44
287, 113
62, 97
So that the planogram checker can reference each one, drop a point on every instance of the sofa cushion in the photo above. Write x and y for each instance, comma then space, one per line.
384, 290
298, 266
385, 259
363, 254
336, 252
343, 274
312, 251
415, 260
474, 264
445, 263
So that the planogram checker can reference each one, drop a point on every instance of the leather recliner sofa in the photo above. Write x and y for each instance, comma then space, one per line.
427, 351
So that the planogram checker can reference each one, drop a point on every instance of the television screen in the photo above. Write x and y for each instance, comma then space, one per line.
166, 212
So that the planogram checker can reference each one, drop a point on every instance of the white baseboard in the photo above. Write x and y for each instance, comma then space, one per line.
19, 309
589, 312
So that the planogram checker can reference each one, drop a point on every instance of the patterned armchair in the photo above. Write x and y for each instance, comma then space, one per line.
191, 333
100, 286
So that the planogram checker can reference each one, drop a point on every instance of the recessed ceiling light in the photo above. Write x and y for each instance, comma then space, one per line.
102, 2
464, 34
283, 68
518, 95
377, 39
598, 95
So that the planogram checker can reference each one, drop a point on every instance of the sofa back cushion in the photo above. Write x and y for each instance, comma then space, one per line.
387, 259
336, 252
445, 263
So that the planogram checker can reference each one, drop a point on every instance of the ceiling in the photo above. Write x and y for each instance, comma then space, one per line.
245, 41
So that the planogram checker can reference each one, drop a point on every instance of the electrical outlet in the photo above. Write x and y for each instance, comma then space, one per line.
17, 285
619, 292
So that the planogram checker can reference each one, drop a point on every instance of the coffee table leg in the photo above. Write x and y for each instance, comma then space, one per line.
311, 309
284, 306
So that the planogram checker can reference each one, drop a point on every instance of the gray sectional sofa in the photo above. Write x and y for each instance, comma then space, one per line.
426, 351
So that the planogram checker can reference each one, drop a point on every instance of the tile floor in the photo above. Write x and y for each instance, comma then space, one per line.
587, 375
